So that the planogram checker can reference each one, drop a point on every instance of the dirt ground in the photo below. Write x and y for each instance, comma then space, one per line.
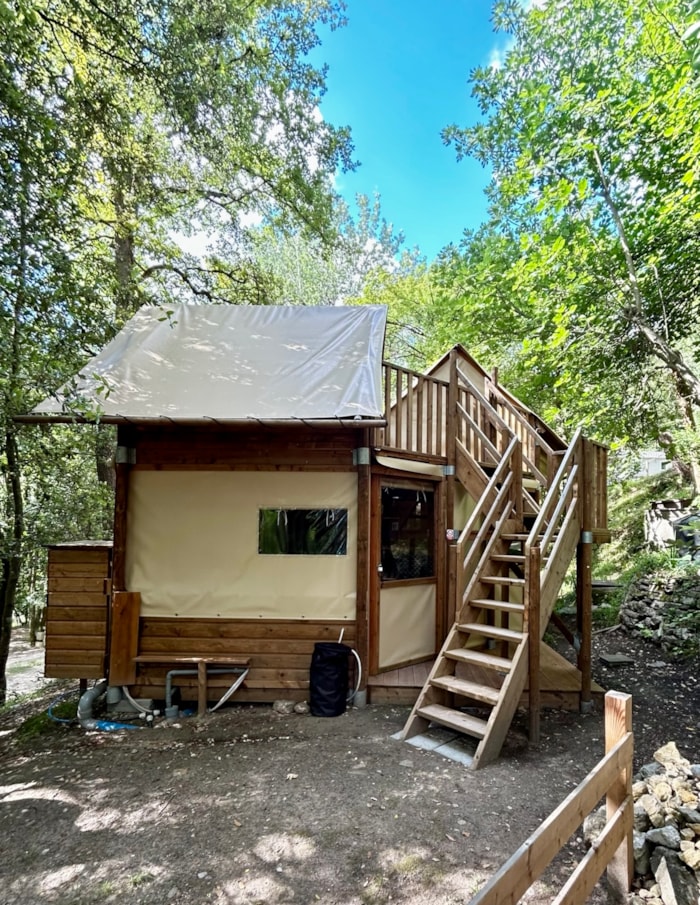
247, 806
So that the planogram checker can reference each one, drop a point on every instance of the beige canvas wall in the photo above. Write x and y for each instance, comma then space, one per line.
192, 545
406, 624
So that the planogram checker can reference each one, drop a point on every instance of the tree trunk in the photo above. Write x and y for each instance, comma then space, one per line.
11, 560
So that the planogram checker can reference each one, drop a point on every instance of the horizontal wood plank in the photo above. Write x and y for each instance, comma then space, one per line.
79, 556
78, 613
160, 627
74, 671
77, 570
76, 598
94, 585
77, 642
58, 627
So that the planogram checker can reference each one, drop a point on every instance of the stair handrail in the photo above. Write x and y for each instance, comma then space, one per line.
497, 476
535, 437
554, 493
493, 415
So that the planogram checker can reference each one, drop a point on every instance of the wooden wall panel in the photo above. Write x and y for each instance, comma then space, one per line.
279, 652
250, 448
77, 608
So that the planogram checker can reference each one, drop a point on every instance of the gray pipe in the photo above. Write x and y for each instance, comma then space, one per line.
85, 703
85, 717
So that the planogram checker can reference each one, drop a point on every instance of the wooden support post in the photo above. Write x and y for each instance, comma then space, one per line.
201, 688
533, 565
584, 584
451, 437
121, 502
618, 722
362, 610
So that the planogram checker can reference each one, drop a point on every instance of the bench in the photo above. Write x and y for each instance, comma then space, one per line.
235, 665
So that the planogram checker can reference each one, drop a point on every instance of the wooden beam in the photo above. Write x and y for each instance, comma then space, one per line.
364, 529
532, 614
618, 724
584, 591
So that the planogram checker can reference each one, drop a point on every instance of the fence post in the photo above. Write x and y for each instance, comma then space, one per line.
618, 722
533, 566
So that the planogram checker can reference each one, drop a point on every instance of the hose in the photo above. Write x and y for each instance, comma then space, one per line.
351, 696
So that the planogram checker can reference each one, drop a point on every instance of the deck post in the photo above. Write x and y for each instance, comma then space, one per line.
533, 564
121, 502
363, 562
584, 584
618, 722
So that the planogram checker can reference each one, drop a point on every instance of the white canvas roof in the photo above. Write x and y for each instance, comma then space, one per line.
232, 363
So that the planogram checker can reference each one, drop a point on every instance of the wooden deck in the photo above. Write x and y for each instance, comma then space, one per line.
560, 683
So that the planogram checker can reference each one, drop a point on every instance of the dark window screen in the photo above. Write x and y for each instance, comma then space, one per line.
408, 533
303, 532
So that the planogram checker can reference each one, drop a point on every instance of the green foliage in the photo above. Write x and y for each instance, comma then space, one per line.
126, 130
583, 287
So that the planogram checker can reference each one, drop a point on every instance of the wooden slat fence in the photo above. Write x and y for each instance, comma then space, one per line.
610, 779
415, 407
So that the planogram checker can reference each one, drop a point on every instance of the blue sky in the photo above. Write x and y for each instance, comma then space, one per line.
398, 74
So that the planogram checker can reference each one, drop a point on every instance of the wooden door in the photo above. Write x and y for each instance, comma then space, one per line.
404, 599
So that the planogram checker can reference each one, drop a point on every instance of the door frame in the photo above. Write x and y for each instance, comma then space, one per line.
387, 478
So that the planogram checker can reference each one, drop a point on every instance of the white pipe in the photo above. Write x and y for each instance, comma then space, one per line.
359, 674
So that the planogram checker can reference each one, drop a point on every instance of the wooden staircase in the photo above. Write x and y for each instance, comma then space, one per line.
511, 560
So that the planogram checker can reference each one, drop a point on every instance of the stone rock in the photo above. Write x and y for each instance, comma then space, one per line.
653, 809
283, 707
660, 788
302, 707
669, 755
678, 885
650, 770
666, 836
594, 825
641, 818
641, 851
689, 815
691, 858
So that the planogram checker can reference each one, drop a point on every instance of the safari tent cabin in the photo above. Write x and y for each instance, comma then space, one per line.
278, 484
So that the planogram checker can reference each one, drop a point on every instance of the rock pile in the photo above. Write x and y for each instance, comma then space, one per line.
666, 831
665, 610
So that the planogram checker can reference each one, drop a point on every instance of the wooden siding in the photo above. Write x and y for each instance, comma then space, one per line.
246, 448
279, 652
76, 615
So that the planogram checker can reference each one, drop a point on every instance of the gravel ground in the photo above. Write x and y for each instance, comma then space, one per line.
246, 806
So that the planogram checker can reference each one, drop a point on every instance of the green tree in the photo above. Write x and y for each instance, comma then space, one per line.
591, 127
123, 127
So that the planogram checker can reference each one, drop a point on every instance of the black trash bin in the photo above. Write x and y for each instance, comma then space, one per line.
328, 681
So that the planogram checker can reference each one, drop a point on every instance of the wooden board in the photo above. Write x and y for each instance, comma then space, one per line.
124, 640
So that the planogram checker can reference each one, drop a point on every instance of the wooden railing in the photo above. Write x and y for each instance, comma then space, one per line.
612, 779
415, 408
599, 482
501, 501
540, 458
480, 429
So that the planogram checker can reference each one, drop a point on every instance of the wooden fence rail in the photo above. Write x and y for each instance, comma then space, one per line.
611, 779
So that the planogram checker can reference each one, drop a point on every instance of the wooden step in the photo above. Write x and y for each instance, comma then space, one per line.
503, 606
502, 579
508, 557
491, 631
478, 658
513, 537
467, 689
455, 719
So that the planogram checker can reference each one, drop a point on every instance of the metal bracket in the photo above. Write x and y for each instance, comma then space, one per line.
586, 537
360, 456
448, 470
125, 455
